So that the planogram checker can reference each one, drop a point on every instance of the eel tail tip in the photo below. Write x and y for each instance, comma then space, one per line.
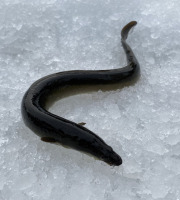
126, 29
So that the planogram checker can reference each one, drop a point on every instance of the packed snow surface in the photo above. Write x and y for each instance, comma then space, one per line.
141, 122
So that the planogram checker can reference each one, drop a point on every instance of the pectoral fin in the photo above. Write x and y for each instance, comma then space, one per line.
48, 139
82, 123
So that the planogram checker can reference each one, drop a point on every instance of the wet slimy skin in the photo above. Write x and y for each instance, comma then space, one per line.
55, 129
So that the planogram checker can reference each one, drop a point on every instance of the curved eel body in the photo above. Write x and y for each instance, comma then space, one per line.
55, 129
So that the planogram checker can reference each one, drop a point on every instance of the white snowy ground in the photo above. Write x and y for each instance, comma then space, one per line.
140, 122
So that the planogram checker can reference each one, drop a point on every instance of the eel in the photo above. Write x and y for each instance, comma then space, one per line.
55, 129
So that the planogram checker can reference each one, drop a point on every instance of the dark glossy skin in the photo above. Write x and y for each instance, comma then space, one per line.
55, 129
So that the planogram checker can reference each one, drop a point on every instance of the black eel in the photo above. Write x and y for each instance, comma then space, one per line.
55, 129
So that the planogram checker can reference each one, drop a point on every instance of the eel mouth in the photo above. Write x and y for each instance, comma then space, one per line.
113, 159
116, 160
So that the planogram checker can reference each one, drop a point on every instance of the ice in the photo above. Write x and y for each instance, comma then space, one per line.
141, 122
24, 181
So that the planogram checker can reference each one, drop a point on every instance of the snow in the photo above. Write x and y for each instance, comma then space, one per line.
141, 122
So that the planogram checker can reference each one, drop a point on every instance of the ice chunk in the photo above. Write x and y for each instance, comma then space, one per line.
24, 181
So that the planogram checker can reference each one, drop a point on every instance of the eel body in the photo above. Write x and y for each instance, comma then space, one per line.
55, 129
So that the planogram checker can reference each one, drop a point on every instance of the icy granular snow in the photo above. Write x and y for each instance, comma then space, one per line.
141, 122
